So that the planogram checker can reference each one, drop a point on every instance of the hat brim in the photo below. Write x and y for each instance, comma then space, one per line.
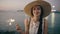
45, 5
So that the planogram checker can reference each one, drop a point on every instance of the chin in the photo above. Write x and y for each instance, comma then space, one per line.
37, 15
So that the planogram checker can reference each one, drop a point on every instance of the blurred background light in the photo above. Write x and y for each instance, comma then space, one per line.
52, 19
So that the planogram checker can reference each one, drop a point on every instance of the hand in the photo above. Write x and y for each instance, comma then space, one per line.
18, 28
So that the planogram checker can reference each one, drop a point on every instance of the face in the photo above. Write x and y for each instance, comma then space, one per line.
36, 11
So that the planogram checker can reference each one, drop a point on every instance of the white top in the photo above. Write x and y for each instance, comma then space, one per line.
34, 27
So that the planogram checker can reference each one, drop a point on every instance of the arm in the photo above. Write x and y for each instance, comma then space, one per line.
26, 27
19, 29
45, 26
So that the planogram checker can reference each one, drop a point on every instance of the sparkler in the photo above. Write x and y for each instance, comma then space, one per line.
10, 21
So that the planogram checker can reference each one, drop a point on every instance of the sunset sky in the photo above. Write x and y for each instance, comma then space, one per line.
13, 4
19, 4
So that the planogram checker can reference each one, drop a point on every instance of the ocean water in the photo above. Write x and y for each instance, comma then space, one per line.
53, 22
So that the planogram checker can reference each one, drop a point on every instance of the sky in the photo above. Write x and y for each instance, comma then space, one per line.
20, 4
13, 4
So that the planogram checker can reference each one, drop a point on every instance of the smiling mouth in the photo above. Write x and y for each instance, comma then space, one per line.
37, 13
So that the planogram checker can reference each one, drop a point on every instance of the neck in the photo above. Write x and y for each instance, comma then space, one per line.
35, 18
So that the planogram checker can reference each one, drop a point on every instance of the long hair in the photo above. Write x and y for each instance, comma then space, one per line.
40, 20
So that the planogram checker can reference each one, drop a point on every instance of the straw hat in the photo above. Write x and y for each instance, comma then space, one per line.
45, 5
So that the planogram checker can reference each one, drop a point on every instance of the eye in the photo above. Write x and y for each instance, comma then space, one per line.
34, 8
38, 8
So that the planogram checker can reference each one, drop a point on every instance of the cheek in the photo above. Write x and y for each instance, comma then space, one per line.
33, 12
40, 12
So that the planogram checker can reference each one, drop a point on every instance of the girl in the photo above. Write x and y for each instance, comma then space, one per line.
36, 24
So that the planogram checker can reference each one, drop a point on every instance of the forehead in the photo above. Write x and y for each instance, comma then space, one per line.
36, 6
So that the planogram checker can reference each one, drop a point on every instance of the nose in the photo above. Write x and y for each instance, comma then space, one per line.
36, 10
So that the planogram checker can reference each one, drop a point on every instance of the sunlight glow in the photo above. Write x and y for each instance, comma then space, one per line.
10, 21
10, 24
53, 6
53, 18
53, 10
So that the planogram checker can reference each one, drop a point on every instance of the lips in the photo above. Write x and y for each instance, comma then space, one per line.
37, 12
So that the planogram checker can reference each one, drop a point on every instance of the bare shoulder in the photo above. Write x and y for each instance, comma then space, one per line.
26, 25
45, 21
45, 26
26, 21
